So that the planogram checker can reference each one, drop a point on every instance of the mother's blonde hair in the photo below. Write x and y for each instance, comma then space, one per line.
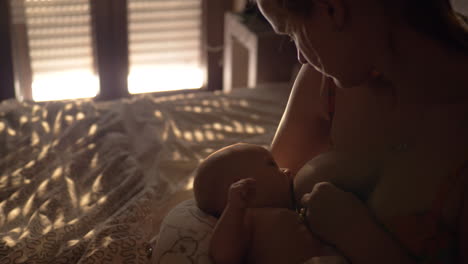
435, 18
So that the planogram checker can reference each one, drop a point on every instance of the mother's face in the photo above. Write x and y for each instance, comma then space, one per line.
340, 38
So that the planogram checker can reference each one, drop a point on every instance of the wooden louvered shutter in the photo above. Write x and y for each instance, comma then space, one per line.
56, 46
59, 44
165, 45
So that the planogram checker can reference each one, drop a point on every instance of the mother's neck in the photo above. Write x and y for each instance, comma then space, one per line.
425, 71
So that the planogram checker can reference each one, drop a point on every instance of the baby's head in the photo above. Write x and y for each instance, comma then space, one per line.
216, 173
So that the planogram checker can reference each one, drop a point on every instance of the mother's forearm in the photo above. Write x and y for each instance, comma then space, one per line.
373, 245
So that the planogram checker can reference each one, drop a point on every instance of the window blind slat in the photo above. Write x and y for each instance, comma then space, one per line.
165, 35
59, 41
142, 5
186, 34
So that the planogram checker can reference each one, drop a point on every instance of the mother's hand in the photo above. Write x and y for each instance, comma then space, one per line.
334, 215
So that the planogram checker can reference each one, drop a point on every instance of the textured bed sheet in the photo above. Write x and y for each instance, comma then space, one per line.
85, 182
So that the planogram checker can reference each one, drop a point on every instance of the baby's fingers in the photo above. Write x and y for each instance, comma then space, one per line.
305, 199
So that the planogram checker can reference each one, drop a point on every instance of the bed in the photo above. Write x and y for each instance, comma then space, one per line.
87, 182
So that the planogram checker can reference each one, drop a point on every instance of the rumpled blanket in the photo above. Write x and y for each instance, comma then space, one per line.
85, 182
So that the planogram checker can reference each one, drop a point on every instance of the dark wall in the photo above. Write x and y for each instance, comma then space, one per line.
7, 88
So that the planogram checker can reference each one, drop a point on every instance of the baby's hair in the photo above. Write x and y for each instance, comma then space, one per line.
206, 192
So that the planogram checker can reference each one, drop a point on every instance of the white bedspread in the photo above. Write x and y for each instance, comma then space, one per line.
82, 182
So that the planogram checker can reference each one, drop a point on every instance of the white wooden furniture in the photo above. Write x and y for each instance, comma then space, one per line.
254, 54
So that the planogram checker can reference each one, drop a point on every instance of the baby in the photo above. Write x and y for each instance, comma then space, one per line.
243, 186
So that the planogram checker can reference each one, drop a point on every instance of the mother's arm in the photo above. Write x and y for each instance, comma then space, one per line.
304, 131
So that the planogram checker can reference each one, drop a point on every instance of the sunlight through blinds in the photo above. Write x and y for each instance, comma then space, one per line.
165, 45
60, 47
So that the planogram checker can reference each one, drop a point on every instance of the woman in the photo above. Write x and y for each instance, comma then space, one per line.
398, 71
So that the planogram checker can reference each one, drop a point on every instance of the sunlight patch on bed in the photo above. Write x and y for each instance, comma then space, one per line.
102, 200
43, 153
46, 127
44, 206
13, 214
158, 114
84, 201
27, 207
16, 194
35, 108
189, 185
216, 103
219, 136
42, 188
80, 141
68, 107
69, 119
260, 130
92, 130
176, 155
17, 230
58, 122
244, 103
188, 136
58, 172
44, 113
249, 129
30, 164
9, 241
176, 130
90, 234
58, 223
47, 229
17, 172
106, 241
238, 127
199, 136
55, 143
23, 120
80, 116
95, 160
11, 132
35, 139
228, 129
97, 184
73, 242
4, 181
71, 191
217, 126
209, 135
25, 234
255, 116
73, 221
197, 109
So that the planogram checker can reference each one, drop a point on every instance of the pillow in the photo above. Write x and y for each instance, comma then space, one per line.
185, 236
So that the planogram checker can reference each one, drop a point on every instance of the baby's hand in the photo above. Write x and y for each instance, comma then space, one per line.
241, 193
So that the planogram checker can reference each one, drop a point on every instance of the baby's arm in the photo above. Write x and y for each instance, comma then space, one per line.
232, 233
